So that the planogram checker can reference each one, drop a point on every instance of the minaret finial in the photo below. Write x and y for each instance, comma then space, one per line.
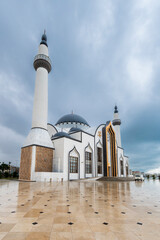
115, 109
44, 39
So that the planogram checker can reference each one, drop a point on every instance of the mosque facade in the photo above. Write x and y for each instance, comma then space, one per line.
71, 149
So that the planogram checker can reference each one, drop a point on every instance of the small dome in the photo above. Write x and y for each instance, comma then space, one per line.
60, 134
73, 119
73, 129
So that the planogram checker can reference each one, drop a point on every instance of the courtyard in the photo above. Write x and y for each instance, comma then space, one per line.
79, 210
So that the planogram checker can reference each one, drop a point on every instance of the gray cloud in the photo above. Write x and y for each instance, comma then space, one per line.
103, 52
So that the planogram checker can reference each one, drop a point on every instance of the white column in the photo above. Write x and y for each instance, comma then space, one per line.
40, 107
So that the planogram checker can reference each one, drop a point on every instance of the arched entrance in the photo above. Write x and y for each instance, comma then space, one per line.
109, 152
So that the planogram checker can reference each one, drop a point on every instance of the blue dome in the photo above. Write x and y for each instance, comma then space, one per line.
73, 129
72, 118
60, 134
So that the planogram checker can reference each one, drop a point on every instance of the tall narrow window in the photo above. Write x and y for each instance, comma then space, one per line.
126, 170
88, 159
99, 160
73, 164
121, 167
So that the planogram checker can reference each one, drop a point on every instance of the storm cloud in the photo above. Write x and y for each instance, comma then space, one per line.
103, 52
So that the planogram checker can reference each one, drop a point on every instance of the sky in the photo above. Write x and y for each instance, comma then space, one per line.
103, 53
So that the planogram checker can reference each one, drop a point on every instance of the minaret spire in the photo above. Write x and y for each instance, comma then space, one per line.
38, 146
115, 109
42, 66
44, 39
116, 123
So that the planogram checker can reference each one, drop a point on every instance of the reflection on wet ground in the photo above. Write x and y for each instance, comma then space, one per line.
80, 210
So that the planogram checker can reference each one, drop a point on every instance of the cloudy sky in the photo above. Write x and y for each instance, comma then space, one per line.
103, 52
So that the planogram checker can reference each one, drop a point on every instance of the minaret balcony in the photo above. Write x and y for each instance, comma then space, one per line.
42, 60
116, 122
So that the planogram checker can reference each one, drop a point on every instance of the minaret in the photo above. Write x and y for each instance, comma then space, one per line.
116, 123
42, 65
37, 151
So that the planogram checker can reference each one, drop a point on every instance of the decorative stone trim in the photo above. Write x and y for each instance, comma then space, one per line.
44, 159
25, 165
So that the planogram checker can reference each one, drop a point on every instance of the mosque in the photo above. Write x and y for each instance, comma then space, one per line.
71, 149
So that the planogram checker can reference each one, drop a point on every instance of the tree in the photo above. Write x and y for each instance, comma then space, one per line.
4, 167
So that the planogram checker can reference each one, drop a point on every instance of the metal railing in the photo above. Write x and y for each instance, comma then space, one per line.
42, 56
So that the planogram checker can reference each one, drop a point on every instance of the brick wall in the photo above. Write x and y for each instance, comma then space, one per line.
44, 159
25, 165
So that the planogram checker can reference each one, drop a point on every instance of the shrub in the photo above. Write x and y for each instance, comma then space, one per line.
154, 176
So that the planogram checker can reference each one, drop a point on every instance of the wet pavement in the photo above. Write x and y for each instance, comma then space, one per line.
80, 210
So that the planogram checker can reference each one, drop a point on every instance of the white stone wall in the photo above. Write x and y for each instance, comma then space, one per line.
63, 146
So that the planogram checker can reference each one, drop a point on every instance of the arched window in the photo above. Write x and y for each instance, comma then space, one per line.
121, 167
99, 157
73, 164
99, 160
88, 160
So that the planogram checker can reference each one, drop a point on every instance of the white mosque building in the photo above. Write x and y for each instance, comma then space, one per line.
71, 149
